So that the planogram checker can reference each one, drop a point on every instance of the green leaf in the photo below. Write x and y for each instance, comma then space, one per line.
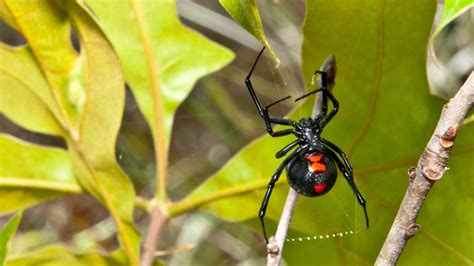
88, 91
245, 12
6, 235
161, 60
30, 174
451, 10
385, 119
61, 255
48, 34
94, 153
23, 84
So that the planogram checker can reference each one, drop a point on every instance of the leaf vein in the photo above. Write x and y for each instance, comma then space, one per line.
376, 84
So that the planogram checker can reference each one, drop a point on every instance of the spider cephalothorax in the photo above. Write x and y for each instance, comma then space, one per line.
312, 167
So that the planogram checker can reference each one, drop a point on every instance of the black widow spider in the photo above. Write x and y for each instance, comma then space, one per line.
311, 168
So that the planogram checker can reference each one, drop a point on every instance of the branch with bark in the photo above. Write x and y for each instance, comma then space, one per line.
431, 168
157, 221
276, 243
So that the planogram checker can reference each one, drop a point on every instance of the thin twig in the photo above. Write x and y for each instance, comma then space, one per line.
173, 250
275, 244
431, 167
157, 220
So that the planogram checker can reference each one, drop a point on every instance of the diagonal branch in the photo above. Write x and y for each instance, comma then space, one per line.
275, 244
431, 167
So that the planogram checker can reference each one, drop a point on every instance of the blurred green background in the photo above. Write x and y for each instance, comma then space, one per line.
215, 121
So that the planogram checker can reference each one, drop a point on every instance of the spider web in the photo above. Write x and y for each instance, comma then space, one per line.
216, 121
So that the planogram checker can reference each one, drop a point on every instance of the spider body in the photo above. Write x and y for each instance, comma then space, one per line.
312, 165
311, 174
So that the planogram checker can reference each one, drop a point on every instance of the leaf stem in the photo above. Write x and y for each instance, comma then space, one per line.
161, 153
431, 168
39, 184
143, 204
183, 206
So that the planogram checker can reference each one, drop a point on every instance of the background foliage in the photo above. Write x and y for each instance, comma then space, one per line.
80, 64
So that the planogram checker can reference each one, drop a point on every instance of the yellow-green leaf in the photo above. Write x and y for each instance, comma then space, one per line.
94, 153
5, 15
61, 255
25, 95
161, 60
88, 91
46, 27
245, 12
30, 174
451, 9
6, 235
385, 119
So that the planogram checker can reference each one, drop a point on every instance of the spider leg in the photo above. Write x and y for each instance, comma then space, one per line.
287, 148
285, 132
346, 169
271, 184
286, 122
334, 110
263, 111
326, 94
322, 87
250, 87
339, 151
279, 101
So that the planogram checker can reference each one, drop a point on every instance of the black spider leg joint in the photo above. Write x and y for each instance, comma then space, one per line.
303, 142
346, 169
263, 111
326, 94
271, 184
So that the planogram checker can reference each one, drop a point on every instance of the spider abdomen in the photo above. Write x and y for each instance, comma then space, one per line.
312, 174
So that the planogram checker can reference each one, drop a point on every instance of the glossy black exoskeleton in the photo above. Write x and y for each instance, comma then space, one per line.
311, 167
311, 174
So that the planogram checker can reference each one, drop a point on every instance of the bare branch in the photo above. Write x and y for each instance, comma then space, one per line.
431, 167
275, 244
157, 221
